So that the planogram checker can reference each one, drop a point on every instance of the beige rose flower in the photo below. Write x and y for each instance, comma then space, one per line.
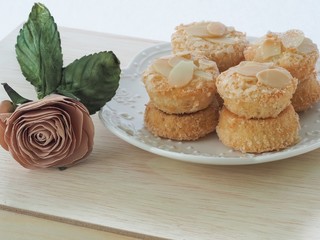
55, 131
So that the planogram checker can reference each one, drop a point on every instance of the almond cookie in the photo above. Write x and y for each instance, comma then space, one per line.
290, 50
181, 126
213, 40
259, 135
180, 84
307, 93
256, 90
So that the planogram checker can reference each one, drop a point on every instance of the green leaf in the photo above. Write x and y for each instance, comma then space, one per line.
93, 79
15, 97
39, 51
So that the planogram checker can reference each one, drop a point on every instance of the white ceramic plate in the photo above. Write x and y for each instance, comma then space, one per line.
123, 116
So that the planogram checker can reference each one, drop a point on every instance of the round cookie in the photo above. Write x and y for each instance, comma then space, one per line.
307, 93
180, 84
290, 50
181, 126
213, 40
258, 135
256, 90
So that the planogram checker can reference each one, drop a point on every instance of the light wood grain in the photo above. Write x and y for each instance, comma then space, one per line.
15, 226
123, 189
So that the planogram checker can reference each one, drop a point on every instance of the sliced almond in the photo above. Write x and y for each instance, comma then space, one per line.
216, 29
250, 69
204, 75
274, 78
166, 57
292, 38
253, 63
162, 66
181, 74
199, 30
175, 60
184, 54
270, 48
307, 46
258, 55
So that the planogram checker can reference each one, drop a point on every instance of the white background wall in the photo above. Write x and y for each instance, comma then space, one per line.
155, 19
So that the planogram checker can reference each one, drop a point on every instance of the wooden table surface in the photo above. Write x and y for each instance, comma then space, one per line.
123, 192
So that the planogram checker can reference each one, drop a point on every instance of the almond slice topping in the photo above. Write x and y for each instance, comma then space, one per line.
216, 29
205, 75
274, 78
307, 46
185, 54
250, 69
199, 30
292, 38
270, 48
175, 60
162, 67
181, 74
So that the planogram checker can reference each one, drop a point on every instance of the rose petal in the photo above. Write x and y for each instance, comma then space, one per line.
3, 125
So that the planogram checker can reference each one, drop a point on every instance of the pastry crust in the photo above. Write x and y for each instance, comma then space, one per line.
249, 98
225, 53
198, 94
300, 62
259, 135
181, 126
307, 93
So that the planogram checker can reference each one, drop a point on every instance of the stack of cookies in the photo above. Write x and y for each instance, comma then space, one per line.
182, 91
296, 53
260, 87
184, 104
257, 115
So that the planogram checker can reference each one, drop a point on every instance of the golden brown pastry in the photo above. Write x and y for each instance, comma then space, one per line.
290, 50
213, 40
256, 90
259, 135
307, 93
181, 126
179, 84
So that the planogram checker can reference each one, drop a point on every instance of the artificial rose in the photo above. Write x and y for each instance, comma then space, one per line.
55, 131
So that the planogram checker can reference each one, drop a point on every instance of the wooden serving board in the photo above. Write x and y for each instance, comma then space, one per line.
126, 191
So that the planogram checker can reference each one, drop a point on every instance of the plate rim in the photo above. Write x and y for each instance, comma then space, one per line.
206, 159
